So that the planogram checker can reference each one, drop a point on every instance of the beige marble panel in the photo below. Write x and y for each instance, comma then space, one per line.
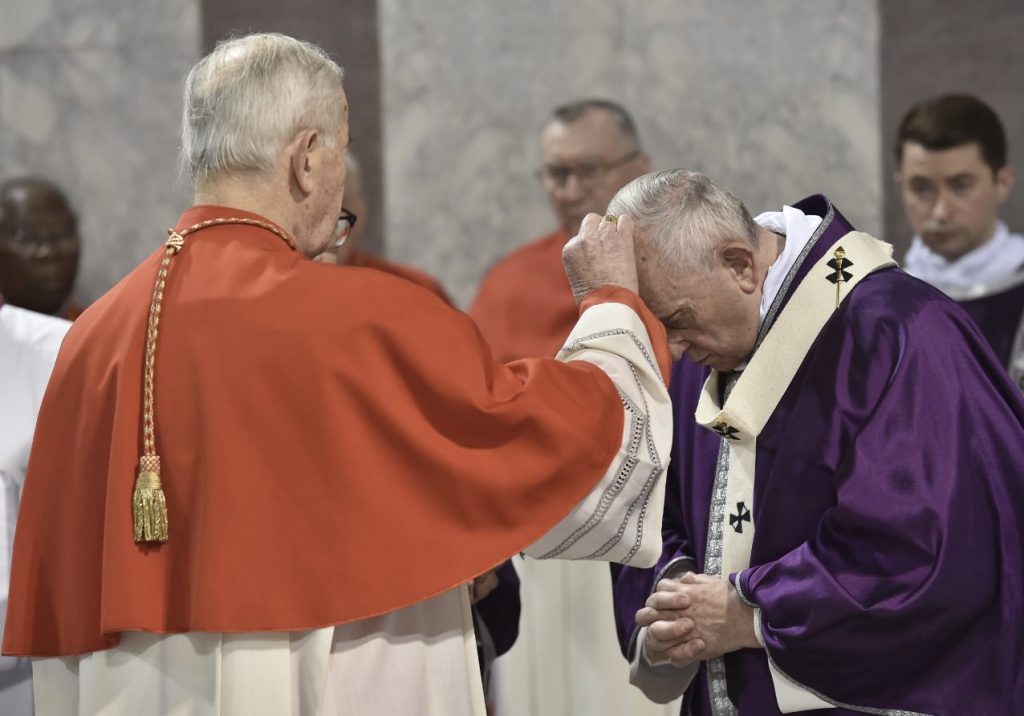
778, 100
90, 97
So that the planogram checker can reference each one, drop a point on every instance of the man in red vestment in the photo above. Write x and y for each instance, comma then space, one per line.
495, 594
524, 308
590, 149
259, 484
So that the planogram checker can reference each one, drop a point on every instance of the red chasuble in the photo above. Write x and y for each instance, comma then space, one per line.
525, 306
336, 443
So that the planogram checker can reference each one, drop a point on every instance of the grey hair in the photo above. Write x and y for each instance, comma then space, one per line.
570, 112
250, 96
684, 215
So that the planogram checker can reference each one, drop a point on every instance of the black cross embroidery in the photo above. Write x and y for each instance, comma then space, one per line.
726, 431
743, 515
840, 263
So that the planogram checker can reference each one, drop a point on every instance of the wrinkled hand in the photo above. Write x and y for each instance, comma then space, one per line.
694, 618
482, 586
600, 255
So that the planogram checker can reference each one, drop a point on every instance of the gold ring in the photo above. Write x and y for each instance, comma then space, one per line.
612, 218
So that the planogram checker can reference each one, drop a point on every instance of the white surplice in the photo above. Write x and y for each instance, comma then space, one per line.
997, 259
29, 343
418, 660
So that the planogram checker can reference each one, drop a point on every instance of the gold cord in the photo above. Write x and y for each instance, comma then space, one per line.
149, 506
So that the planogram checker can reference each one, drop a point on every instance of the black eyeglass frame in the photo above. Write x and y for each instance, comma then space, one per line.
348, 217
586, 171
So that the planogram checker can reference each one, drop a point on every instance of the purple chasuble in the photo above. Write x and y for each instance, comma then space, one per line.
888, 503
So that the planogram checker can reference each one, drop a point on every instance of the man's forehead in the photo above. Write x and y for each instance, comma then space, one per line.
592, 134
961, 159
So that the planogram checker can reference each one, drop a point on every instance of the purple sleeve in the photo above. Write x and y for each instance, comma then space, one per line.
909, 594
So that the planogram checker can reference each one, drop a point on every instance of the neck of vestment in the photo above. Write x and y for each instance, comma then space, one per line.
195, 216
833, 226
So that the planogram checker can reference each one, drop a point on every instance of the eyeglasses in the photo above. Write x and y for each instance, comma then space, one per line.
554, 176
344, 227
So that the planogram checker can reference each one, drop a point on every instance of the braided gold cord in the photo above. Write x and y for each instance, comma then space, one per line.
148, 504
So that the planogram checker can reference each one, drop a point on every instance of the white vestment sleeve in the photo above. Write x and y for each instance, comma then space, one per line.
620, 519
661, 682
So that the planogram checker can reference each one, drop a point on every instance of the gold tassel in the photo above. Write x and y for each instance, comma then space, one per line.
149, 507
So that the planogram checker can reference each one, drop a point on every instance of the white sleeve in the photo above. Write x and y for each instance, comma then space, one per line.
661, 683
620, 518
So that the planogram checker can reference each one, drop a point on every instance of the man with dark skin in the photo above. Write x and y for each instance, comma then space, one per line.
39, 246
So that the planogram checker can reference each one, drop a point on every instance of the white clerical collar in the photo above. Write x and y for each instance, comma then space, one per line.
998, 258
798, 228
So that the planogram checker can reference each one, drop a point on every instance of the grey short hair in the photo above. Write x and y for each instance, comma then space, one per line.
570, 112
250, 96
685, 215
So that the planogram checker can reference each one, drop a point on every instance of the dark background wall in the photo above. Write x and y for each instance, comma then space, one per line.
348, 31
930, 47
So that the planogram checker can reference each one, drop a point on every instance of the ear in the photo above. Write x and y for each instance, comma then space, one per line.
301, 161
1005, 179
738, 260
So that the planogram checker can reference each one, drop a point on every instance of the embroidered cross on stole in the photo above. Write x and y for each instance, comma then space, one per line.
751, 402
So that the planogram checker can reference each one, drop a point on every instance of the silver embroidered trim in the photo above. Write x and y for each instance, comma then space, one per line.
639, 430
1016, 362
675, 562
743, 597
758, 627
656, 472
721, 705
645, 498
713, 554
637, 426
717, 687
645, 492
769, 317
840, 704
580, 344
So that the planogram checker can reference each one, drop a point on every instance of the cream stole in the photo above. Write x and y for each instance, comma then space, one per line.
754, 398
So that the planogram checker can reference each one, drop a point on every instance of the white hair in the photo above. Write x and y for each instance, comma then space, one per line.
250, 96
684, 215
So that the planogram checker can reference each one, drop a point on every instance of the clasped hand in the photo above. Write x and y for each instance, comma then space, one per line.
693, 618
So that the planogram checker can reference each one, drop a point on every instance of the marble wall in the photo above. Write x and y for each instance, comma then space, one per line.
930, 47
778, 100
348, 32
90, 97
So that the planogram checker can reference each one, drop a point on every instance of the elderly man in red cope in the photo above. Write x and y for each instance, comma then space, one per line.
259, 484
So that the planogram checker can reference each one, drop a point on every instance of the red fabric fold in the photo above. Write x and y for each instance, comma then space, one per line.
336, 443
